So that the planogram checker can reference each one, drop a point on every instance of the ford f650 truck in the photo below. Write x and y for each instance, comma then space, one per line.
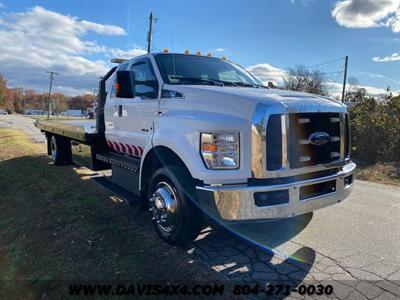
197, 136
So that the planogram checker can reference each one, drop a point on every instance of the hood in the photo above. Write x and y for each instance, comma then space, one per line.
241, 98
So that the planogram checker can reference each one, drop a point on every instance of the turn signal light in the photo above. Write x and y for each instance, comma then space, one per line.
116, 87
209, 147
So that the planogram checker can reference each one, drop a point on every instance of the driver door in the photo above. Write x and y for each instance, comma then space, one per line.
135, 123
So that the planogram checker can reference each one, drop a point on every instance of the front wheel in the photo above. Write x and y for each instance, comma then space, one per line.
171, 196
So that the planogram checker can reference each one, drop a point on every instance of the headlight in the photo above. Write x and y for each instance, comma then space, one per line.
220, 150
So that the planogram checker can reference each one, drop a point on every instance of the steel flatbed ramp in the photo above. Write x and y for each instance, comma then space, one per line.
80, 130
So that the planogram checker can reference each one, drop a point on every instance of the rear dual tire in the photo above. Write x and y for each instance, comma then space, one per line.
60, 149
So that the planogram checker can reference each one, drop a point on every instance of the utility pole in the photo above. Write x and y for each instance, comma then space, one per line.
24, 98
345, 78
49, 99
150, 33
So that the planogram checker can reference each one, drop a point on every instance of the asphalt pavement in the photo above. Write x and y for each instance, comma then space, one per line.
23, 123
353, 246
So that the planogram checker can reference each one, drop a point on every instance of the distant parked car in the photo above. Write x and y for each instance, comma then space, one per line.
3, 112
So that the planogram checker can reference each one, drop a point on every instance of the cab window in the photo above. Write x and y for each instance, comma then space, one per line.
110, 86
146, 85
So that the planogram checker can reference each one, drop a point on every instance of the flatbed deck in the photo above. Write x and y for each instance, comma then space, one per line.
80, 130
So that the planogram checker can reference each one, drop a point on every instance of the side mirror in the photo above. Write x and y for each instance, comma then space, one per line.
125, 84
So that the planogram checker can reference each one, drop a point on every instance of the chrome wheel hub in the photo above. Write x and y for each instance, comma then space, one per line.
164, 206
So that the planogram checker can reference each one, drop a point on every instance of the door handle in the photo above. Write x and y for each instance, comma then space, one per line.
120, 110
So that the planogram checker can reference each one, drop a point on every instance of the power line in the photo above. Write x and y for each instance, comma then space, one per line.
325, 63
319, 64
335, 78
334, 72
331, 76
285, 73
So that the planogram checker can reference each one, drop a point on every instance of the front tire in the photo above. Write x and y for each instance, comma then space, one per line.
171, 196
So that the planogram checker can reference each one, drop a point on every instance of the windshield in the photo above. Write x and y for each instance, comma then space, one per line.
190, 69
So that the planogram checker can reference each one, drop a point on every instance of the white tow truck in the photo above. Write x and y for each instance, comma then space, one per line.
196, 136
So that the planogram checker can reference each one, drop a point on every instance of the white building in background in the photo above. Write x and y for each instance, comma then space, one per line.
73, 113
35, 112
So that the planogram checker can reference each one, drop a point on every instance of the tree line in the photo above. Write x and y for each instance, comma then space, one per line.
375, 130
315, 81
18, 99
374, 121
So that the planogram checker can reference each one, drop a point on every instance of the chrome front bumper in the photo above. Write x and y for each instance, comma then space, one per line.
237, 202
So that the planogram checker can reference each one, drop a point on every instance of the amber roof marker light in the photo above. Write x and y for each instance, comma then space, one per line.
117, 60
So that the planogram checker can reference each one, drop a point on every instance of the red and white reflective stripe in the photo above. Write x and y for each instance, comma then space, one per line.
141, 151
129, 149
135, 150
116, 147
110, 144
125, 148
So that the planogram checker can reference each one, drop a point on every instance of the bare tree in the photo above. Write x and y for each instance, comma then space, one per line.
353, 84
354, 92
389, 94
302, 79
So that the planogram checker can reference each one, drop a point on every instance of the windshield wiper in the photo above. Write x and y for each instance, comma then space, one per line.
197, 80
256, 85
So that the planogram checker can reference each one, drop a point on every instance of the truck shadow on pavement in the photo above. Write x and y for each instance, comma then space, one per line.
254, 253
258, 253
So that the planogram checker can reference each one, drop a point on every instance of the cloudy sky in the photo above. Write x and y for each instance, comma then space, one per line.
78, 38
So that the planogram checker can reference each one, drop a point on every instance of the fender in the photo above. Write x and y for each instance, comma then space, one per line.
179, 130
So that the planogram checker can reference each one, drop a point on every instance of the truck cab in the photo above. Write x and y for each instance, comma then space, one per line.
197, 136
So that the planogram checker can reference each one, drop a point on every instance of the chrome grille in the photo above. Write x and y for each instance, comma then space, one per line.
302, 152
273, 129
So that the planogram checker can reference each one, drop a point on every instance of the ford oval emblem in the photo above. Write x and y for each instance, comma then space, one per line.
319, 138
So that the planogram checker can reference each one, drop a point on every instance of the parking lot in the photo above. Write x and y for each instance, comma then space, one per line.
353, 246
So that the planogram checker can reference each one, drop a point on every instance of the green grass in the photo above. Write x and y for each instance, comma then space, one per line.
57, 225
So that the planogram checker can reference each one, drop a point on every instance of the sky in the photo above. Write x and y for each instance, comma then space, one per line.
78, 38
